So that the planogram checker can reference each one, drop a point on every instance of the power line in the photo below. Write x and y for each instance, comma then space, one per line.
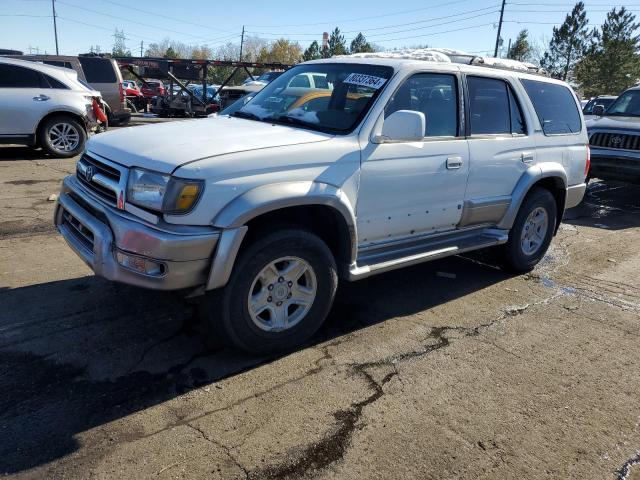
436, 33
351, 20
173, 19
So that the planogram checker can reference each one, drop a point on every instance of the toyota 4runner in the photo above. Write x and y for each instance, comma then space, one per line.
391, 162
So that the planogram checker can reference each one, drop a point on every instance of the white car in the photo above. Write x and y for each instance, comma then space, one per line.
400, 162
46, 106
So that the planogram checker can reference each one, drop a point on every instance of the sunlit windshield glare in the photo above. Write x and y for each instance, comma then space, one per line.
326, 97
627, 104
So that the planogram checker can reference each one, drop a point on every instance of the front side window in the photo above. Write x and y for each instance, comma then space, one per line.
555, 106
435, 95
627, 104
13, 76
346, 95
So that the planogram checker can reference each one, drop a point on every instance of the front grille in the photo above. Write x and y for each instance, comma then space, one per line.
103, 180
614, 140
79, 231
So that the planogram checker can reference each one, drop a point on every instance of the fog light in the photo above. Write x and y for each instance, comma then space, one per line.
140, 264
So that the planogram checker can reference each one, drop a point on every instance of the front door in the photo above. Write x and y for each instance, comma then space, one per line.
413, 188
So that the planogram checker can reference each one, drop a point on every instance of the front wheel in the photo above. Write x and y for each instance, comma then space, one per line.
532, 231
279, 293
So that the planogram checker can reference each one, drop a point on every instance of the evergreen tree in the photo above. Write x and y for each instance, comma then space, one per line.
170, 53
337, 44
568, 44
312, 53
612, 63
521, 49
360, 45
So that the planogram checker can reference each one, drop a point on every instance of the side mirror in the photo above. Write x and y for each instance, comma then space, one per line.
598, 110
402, 126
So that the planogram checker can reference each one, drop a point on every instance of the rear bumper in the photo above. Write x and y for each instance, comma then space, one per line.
575, 194
621, 165
100, 234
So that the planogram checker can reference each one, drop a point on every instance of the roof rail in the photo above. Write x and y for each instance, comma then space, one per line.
447, 55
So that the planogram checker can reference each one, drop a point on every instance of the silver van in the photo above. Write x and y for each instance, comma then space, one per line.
100, 73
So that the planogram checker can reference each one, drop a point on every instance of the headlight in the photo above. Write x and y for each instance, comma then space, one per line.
162, 193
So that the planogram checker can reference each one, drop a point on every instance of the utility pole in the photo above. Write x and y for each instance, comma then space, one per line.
241, 42
55, 27
141, 46
495, 53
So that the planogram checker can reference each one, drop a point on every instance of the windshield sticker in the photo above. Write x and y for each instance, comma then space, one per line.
365, 80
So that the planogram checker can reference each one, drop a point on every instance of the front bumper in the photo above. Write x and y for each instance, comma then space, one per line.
609, 164
97, 232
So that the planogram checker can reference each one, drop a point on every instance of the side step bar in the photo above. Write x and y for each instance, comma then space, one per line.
387, 259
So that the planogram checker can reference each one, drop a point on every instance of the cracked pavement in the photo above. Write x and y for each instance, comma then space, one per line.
415, 374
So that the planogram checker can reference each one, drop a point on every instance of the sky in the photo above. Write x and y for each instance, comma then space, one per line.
469, 25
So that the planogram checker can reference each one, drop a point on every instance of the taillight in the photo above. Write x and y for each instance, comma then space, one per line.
587, 164
121, 92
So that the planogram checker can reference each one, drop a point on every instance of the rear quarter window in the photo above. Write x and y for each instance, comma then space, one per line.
98, 70
555, 106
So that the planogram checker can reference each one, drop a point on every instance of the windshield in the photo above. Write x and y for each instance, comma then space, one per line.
627, 104
328, 97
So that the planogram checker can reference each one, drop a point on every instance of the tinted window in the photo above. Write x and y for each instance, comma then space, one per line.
517, 120
98, 70
12, 76
555, 106
489, 107
53, 83
436, 96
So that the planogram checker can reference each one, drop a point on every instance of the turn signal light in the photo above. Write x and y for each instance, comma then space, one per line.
187, 196
587, 164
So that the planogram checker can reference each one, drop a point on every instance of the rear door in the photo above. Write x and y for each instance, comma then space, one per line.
501, 148
25, 98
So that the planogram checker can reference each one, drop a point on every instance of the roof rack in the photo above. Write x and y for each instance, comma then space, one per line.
447, 55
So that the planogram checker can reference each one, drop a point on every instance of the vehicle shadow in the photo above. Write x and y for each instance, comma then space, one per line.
76, 354
20, 152
607, 205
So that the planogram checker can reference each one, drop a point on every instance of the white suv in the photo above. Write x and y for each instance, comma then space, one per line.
399, 162
45, 105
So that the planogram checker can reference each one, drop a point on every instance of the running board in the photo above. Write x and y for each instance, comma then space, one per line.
387, 258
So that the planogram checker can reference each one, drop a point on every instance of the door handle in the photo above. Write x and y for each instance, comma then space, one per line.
41, 98
454, 163
527, 157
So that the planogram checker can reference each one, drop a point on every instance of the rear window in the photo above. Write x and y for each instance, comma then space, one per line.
555, 106
98, 70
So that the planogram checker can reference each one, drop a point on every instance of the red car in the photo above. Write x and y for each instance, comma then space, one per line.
152, 88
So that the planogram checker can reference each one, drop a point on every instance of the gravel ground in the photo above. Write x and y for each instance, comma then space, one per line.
447, 370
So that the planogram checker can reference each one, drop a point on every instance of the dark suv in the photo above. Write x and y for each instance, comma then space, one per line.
614, 137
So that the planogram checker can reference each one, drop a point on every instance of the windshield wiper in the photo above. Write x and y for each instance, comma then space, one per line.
292, 121
247, 115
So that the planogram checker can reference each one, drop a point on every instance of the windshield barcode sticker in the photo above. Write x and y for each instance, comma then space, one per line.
365, 80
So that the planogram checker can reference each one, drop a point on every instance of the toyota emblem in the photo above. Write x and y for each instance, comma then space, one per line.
89, 173
616, 140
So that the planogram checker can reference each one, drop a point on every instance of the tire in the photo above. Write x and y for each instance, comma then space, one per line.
532, 231
229, 312
53, 139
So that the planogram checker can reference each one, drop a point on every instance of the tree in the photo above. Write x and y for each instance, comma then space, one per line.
360, 44
337, 44
612, 63
568, 44
119, 46
312, 53
521, 49
282, 50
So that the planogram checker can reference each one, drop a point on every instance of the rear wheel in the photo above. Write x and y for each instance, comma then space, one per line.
279, 293
532, 231
62, 136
